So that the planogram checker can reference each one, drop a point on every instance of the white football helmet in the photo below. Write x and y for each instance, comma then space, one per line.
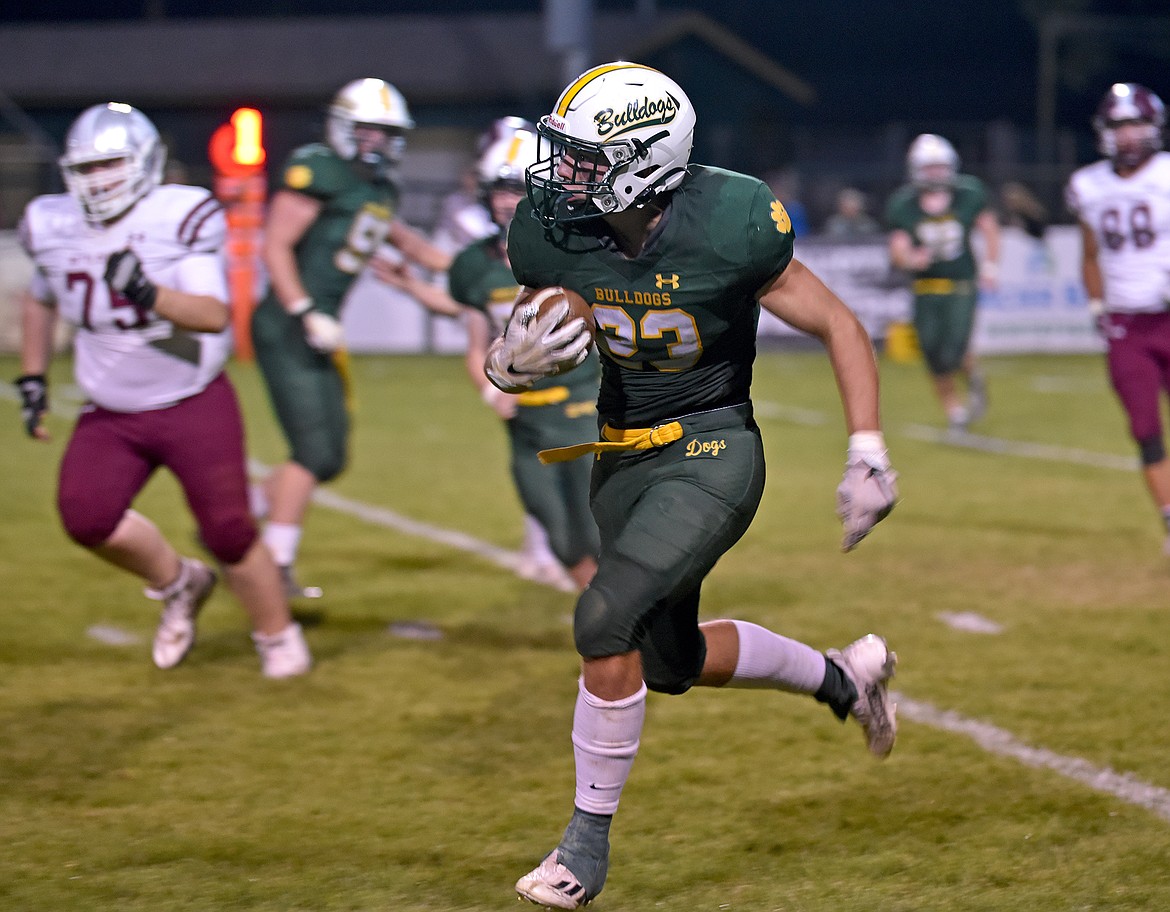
505, 158
374, 103
932, 162
620, 134
113, 157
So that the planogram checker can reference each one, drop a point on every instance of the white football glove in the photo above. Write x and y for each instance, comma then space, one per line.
322, 332
540, 348
869, 489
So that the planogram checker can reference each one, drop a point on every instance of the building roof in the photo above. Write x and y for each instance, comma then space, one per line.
434, 59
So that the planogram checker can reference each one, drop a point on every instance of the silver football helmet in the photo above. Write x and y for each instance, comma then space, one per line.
620, 134
932, 163
368, 103
113, 157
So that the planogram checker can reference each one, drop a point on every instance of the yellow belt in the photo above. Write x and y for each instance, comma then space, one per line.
940, 286
550, 396
617, 439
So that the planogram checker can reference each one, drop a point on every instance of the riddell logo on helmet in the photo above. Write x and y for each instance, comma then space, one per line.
556, 123
637, 114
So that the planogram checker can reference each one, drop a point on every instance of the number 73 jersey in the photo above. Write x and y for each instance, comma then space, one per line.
677, 322
1130, 218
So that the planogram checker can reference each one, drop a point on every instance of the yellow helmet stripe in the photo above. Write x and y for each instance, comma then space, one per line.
514, 147
587, 77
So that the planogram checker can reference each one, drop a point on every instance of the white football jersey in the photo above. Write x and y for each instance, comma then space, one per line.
1130, 218
125, 361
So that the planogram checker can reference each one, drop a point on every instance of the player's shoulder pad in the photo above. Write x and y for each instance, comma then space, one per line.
190, 215
315, 170
47, 218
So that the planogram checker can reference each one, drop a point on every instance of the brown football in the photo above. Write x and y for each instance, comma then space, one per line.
536, 302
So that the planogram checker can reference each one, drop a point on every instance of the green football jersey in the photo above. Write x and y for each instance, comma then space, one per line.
676, 323
948, 234
479, 279
355, 216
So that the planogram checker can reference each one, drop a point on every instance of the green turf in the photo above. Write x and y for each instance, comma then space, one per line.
415, 775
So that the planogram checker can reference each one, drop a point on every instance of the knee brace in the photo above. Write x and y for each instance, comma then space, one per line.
1152, 450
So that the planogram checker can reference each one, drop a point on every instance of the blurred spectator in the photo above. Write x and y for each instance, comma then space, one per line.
850, 221
1022, 209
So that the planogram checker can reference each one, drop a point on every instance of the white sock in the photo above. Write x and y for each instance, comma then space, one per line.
282, 540
536, 541
605, 742
769, 660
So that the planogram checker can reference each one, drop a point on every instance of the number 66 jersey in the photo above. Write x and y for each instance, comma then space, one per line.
1130, 218
126, 359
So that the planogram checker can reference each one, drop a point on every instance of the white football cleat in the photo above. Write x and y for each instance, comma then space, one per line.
869, 664
181, 603
284, 654
552, 885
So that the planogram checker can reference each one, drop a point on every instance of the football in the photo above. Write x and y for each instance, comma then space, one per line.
536, 302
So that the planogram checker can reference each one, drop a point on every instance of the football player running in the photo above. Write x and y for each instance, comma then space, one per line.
676, 260
932, 220
138, 269
1123, 205
332, 212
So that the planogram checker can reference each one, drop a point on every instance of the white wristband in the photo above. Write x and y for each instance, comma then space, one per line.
870, 447
300, 306
989, 269
1096, 306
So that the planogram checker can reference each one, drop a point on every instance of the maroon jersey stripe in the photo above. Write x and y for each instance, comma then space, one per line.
195, 219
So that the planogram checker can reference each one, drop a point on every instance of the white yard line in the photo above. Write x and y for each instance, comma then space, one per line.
1002, 743
994, 740
1124, 786
1020, 448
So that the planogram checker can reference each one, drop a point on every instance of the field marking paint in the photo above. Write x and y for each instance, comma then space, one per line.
1020, 448
380, 516
1124, 786
966, 440
970, 622
997, 741
112, 636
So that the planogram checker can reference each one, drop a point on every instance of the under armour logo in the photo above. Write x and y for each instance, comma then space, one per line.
662, 281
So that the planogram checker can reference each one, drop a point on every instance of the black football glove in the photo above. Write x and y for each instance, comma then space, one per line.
34, 400
124, 274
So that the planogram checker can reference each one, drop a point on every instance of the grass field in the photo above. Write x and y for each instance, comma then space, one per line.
427, 775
